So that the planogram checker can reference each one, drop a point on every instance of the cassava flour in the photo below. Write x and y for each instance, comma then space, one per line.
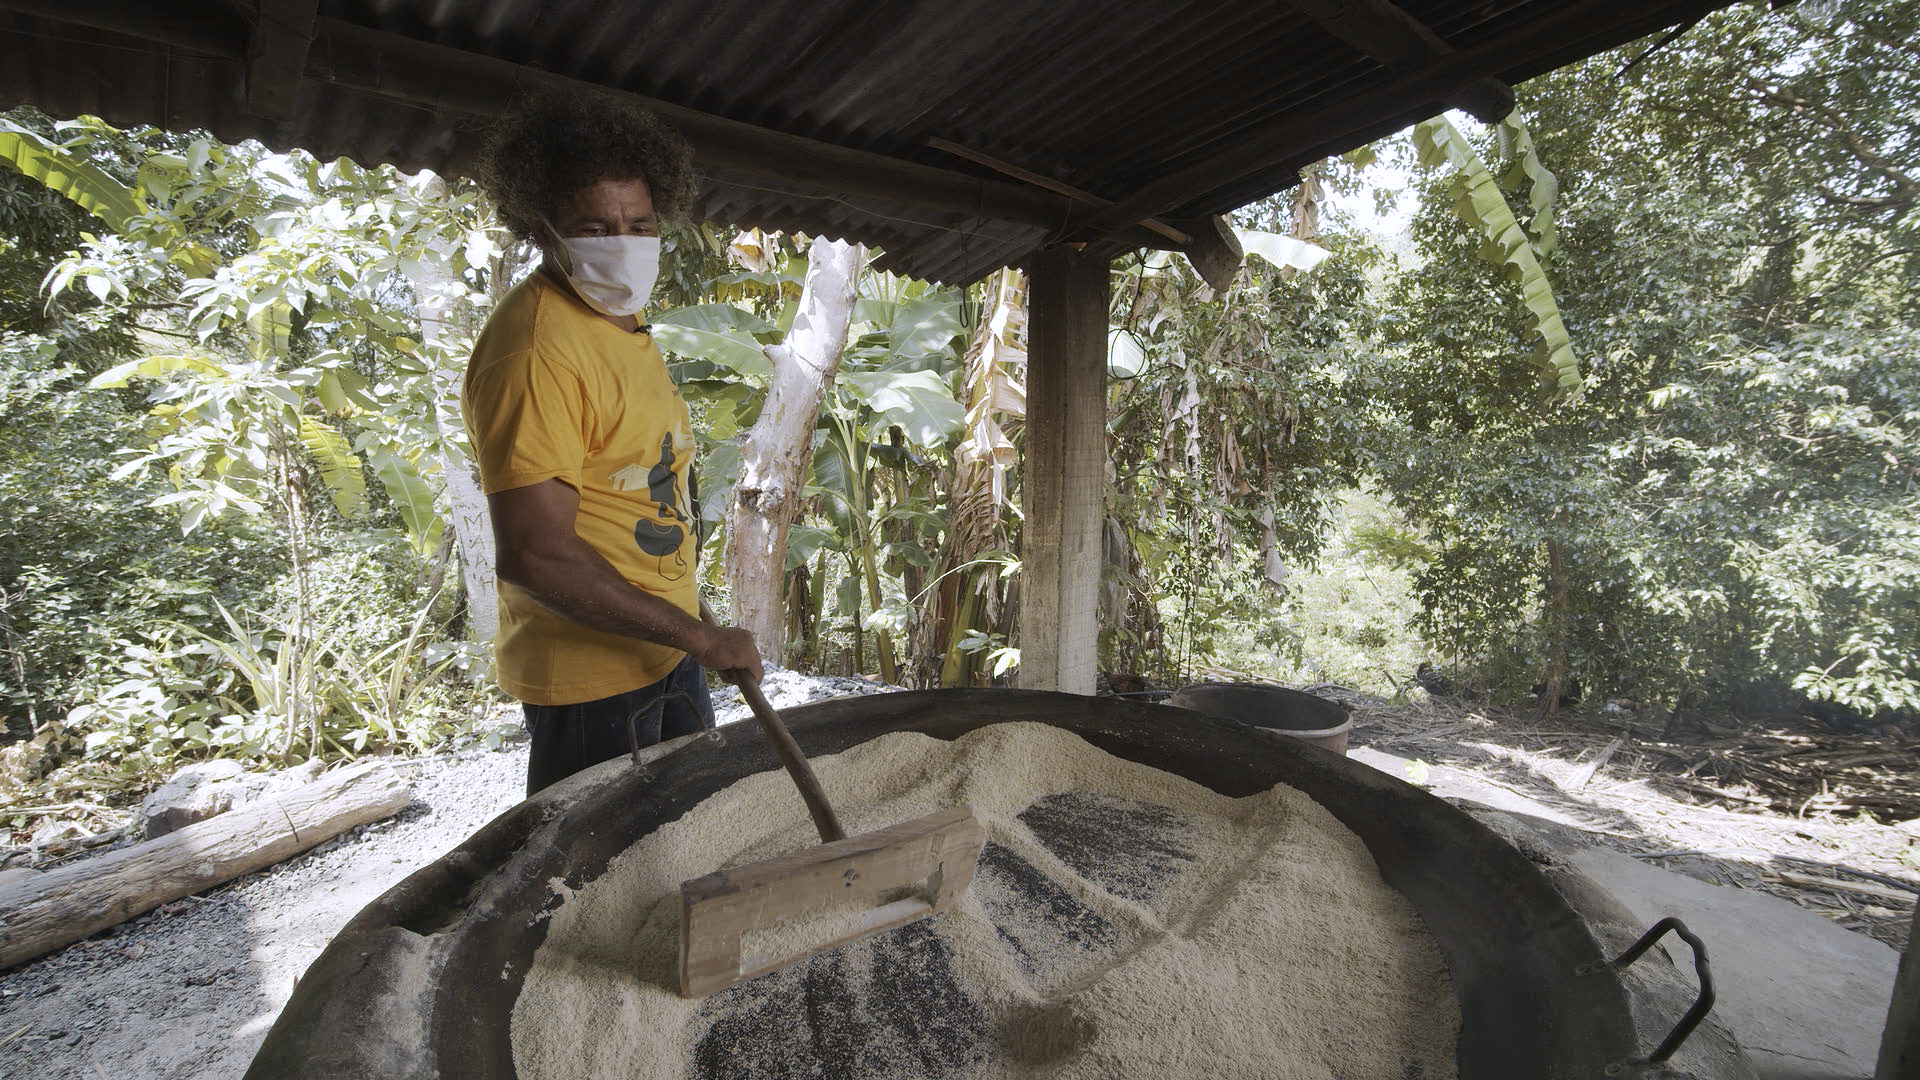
1123, 922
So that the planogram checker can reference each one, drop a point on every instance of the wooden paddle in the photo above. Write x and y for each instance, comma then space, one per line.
931, 857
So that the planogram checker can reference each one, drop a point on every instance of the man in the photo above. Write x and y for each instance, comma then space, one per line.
585, 446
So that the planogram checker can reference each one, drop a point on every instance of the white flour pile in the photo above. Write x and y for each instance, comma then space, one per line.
1124, 922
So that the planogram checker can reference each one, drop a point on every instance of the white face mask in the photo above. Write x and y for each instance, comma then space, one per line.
613, 274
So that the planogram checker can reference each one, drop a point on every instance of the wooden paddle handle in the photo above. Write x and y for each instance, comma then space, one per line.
796, 762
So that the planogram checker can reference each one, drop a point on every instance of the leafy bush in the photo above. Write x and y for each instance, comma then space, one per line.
1725, 514
223, 436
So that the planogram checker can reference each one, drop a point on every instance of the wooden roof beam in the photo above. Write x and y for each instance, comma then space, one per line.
423, 73
1289, 134
444, 78
1384, 31
1087, 198
1214, 252
277, 56
199, 30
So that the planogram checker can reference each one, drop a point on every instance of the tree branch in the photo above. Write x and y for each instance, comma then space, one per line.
1906, 189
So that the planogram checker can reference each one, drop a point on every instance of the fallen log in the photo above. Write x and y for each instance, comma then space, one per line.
1585, 776
1712, 792
1862, 888
54, 908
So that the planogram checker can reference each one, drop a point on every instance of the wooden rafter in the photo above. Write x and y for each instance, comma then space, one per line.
423, 73
1384, 31
277, 56
1291, 134
1215, 253
407, 69
1047, 182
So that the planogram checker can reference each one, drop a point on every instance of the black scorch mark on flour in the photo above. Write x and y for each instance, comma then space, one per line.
885, 1007
1033, 914
892, 1006
1129, 848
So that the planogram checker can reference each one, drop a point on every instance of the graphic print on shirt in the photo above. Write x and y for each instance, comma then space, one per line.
661, 541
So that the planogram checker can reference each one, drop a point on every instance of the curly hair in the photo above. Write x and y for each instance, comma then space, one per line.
558, 143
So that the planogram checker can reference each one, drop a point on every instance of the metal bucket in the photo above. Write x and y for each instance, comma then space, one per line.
1290, 712
422, 983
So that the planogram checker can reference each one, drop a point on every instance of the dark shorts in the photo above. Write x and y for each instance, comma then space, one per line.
568, 738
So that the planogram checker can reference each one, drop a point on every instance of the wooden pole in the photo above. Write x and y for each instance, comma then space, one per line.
1048, 183
1382, 30
1065, 471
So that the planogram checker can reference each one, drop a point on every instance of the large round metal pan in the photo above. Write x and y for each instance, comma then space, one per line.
422, 983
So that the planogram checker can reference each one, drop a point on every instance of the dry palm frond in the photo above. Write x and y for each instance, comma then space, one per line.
994, 387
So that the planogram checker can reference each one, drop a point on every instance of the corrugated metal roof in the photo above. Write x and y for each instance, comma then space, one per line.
1105, 97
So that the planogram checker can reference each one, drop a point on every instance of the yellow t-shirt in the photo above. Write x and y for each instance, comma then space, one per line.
556, 391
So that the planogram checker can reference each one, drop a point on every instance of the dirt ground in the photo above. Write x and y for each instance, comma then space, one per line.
190, 989
1827, 820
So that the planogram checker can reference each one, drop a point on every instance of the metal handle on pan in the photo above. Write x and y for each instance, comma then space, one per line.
1702, 1004
656, 706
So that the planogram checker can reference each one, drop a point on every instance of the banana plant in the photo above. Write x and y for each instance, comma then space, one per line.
893, 411
969, 592
125, 210
1480, 200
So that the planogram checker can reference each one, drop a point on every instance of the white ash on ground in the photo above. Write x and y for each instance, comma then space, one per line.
787, 689
1595, 772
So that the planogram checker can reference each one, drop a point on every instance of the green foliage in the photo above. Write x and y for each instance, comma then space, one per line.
88, 186
720, 333
890, 421
1729, 505
260, 686
87, 566
237, 359
1230, 449
886, 428
1345, 619
1478, 199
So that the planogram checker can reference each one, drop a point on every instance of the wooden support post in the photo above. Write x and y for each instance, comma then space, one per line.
1900, 1043
1065, 475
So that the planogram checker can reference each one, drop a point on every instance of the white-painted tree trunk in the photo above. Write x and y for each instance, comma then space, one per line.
774, 452
439, 294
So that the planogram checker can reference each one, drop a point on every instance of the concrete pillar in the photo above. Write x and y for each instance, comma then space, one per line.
1064, 479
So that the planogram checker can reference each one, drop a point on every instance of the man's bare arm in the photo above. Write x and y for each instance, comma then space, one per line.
537, 550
